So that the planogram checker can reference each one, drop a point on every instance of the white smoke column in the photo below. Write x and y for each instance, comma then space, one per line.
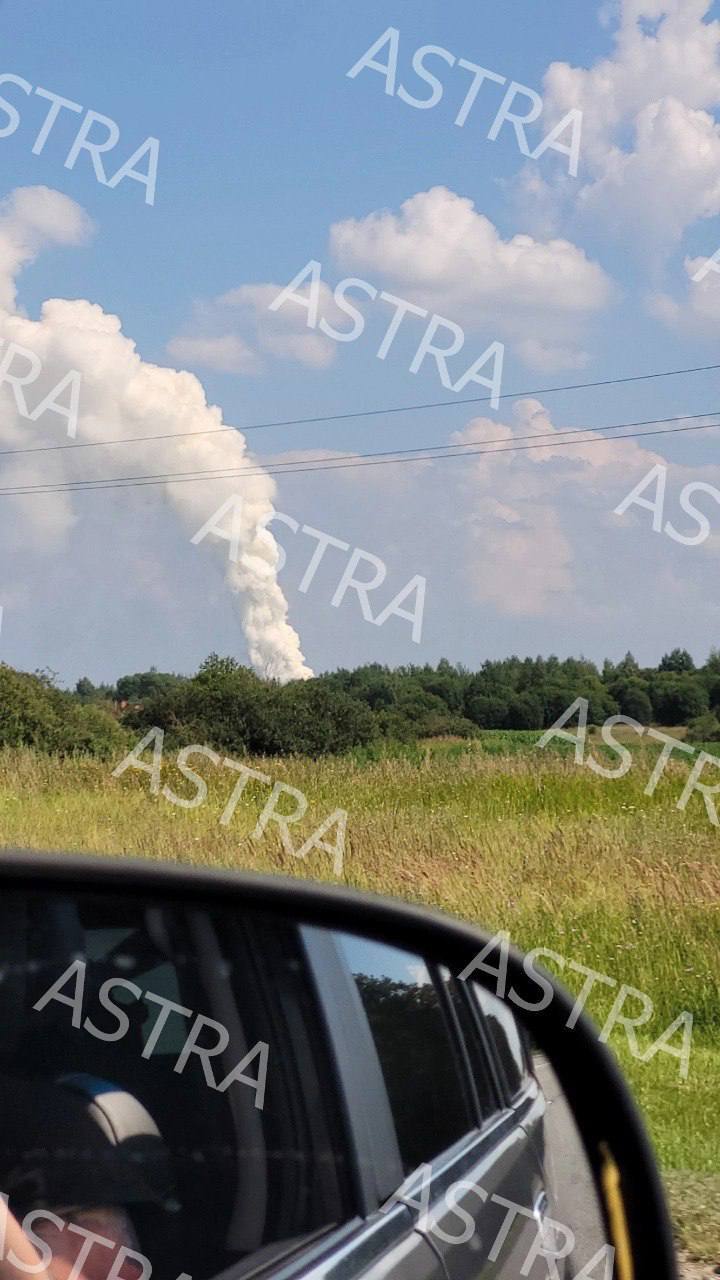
123, 395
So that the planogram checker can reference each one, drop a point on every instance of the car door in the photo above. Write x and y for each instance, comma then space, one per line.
472, 1178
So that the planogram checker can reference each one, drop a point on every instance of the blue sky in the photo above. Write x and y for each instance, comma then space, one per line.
265, 146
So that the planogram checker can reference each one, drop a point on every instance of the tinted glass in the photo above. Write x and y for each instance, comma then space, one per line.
194, 1035
419, 1060
505, 1035
485, 1089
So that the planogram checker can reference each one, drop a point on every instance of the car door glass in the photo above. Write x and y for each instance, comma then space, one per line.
483, 1079
505, 1036
167, 1066
419, 1060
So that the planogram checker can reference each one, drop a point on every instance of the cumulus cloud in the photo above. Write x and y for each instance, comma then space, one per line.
438, 252
226, 353
285, 332
233, 332
31, 219
670, 180
123, 395
650, 145
526, 551
451, 258
697, 312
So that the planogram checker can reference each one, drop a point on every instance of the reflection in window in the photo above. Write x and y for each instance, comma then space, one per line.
505, 1034
417, 1056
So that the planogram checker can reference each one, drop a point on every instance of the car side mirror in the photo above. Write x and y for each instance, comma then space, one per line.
204, 1073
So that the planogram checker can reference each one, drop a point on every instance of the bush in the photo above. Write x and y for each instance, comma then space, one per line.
225, 705
487, 711
310, 719
705, 728
524, 712
34, 713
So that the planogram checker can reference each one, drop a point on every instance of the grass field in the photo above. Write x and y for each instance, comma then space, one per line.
494, 831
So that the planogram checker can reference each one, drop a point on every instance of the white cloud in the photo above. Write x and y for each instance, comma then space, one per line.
669, 181
524, 533
439, 252
227, 353
285, 333
522, 528
32, 218
442, 253
233, 332
678, 59
451, 258
660, 86
697, 313
525, 552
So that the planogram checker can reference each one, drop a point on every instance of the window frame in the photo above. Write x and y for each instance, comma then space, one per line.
482, 1048
371, 1124
528, 1084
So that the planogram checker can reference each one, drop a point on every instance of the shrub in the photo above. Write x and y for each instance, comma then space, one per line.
34, 713
705, 728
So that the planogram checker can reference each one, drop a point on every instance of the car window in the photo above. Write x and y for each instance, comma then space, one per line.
229, 1152
418, 1055
486, 1093
506, 1038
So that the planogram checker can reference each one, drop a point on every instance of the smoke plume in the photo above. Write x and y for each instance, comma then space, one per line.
124, 395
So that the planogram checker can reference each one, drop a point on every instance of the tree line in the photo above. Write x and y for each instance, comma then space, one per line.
229, 707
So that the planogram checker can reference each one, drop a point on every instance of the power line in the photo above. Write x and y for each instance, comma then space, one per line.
362, 460
361, 413
279, 467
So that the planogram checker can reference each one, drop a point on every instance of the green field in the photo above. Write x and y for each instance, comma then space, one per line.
494, 831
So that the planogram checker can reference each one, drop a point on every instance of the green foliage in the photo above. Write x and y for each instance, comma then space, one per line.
313, 719
227, 706
705, 728
369, 710
34, 713
86, 691
146, 684
679, 660
632, 697
678, 698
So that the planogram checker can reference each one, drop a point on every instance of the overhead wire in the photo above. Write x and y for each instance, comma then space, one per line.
167, 476
545, 441
362, 413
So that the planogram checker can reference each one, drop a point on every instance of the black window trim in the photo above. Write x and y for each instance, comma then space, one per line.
529, 1086
502, 1091
458, 1045
486, 1049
